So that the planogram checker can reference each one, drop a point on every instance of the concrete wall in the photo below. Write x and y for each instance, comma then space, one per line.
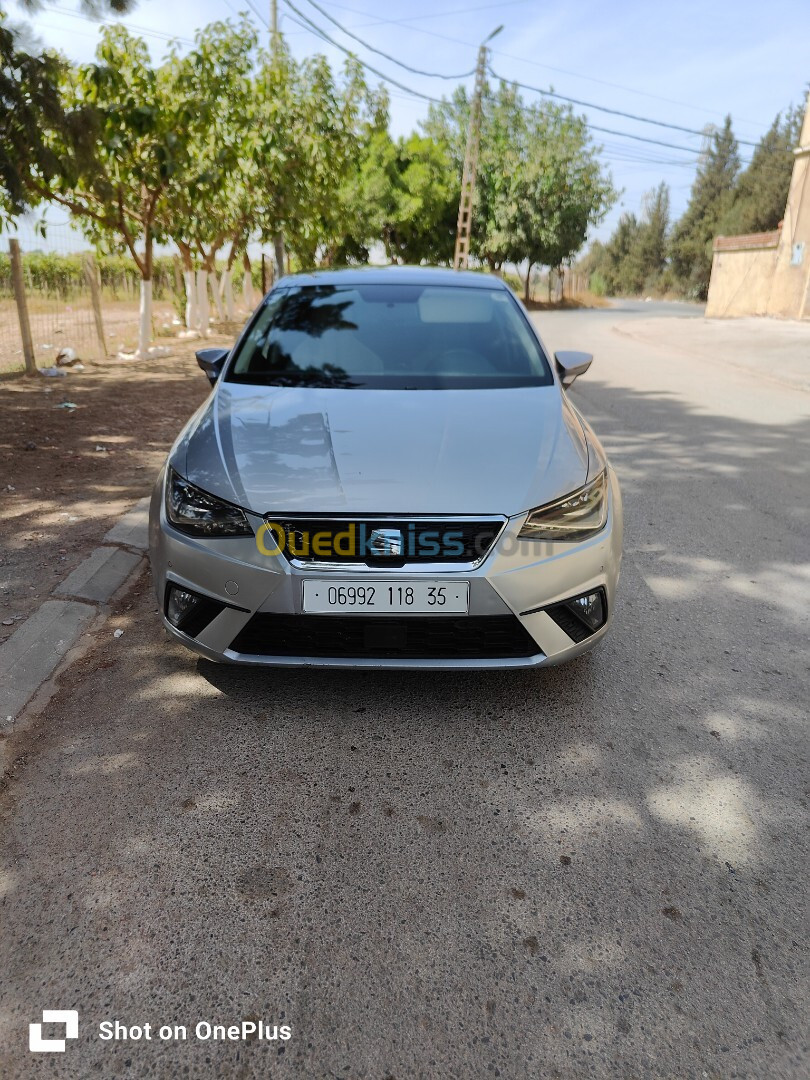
753, 276
790, 283
741, 282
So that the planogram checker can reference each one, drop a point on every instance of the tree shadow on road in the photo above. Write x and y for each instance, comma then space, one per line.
591, 870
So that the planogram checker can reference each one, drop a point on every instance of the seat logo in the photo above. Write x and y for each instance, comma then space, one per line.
68, 1017
386, 542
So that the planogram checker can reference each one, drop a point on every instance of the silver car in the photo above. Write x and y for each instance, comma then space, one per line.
388, 472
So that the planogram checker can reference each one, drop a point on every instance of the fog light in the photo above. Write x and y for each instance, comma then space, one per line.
580, 616
181, 604
590, 609
188, 611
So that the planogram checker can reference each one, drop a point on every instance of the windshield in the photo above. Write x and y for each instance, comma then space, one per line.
390, 337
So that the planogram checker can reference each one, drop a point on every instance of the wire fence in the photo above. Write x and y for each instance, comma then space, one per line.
60, 310
88, 303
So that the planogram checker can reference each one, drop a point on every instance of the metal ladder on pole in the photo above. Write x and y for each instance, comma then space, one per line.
465, 206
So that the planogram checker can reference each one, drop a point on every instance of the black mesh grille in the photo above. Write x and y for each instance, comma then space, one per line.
423, 540
469, 637
567, 621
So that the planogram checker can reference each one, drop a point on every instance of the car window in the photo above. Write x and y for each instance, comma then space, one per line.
390, 337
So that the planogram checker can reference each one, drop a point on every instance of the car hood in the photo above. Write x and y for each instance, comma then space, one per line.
284, 450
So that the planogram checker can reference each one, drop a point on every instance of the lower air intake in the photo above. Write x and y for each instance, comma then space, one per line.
471, 637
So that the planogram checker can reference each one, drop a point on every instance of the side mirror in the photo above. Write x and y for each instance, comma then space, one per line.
212, 362
570, 364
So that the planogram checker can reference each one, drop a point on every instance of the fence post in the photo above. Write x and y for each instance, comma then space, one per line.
91, 275
22, 306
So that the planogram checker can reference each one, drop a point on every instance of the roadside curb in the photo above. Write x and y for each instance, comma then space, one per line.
51, 639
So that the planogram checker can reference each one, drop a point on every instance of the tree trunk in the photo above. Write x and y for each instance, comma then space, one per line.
145, 318
192, 314
226, 293
145, 314
527, 289
278, 248
202, 303
216, 292
247, 284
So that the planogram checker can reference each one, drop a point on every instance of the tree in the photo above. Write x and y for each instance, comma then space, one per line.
308, 131
139, 147
635, 256
411, 192
762, 188
540, 184
206, 203
30, 107
555, 191
503, 131
29, 102
654, 233
711, 198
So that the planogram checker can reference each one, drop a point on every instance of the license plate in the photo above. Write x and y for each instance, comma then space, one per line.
423, 597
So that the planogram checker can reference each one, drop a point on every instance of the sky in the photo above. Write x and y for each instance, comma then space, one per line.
686, 64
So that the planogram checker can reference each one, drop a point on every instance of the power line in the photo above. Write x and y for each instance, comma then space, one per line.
406, 95
536, 89
406, 23
454, 13
593, 127
393, 59
386, 78
606, 109
130, 25
641, 138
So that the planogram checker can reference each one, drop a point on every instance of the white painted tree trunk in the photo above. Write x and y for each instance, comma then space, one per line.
202, 302
216, 292
192, 315
226, 292
247, 291
145, 318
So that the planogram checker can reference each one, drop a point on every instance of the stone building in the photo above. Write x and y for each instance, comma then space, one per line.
769, 273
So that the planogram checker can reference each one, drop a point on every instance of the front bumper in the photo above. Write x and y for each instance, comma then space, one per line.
518, 579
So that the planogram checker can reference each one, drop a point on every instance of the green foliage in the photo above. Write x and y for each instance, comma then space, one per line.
410, 194
206, 201
761, 191
29, 103
711, 199
540, 184
635, 257
139, 146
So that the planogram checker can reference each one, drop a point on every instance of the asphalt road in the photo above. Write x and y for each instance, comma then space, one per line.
593, 871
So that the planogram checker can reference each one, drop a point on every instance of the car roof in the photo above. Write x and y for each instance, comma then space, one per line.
398, 275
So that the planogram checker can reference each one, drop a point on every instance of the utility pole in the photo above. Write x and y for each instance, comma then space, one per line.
278, 239
464, 227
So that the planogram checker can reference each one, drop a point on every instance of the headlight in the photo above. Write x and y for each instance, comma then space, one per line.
576, 517
196, 513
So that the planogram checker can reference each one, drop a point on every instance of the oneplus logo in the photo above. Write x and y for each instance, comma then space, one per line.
68, 1017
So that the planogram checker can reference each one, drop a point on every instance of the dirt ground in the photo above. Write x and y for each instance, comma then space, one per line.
66, 475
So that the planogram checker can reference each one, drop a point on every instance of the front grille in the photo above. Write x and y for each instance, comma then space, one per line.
397, 541
469, 637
